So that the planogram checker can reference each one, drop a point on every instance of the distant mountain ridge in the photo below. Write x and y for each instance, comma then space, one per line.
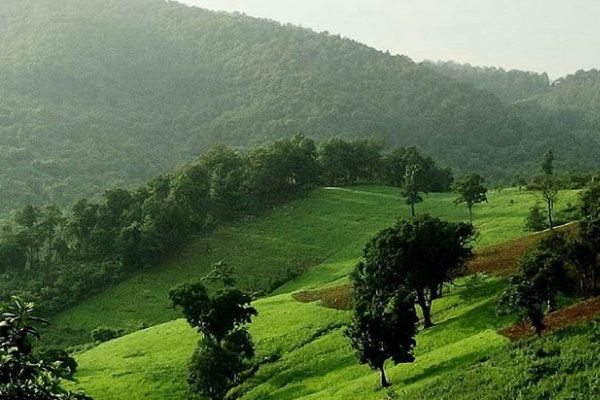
103, 93
510, 86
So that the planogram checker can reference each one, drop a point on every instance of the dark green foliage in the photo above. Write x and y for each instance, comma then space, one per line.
577, 94
536, 220
222, 273
67, 365
226, 346
58, 258
214, 370
384, 326
584, 258
214, 316
428, 176
548, 185
522, 298
420, 254
115, 92
104, 334
345, 163
584, 253
23, 374
590, 199
542, 276
60, 285
547, 163
411, 187
470, 190
510, 85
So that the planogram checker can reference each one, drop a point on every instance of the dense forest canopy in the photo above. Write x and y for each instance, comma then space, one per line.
511, 86
579, 92
98, 93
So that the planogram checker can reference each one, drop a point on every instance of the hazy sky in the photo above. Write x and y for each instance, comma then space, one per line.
556, 36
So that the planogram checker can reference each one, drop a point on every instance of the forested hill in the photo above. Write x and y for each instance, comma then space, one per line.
578, 93
97, 93
511, 86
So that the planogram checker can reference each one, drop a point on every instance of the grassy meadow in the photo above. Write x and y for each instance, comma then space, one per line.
315, 241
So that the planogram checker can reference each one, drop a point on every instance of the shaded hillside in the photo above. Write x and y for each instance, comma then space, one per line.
100, 93
510, 86
578, 94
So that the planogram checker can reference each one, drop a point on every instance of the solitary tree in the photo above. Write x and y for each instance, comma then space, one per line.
541, 277
547, 184
522, 297
384, 325
470, 190
226, 347
544, 267
411, 188
420, 254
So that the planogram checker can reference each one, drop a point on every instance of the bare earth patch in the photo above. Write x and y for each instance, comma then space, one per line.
337, 297
500, 260
576, 314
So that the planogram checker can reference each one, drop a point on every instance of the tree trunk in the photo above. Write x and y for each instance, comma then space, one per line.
384, 382
427, 316
551, 306
550, 219
412, 210
426, 308
470, 213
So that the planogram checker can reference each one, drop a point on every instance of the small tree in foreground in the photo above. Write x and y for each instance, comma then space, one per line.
226, 347
470, 190
24, 375
384, 327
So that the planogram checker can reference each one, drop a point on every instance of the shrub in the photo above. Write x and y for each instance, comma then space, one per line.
104, 334
535, 220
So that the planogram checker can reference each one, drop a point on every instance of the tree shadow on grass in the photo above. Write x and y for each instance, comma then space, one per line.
446, 366
480, 288
288, 375
479, 318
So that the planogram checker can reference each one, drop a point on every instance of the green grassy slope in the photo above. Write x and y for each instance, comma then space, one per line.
323, 234
329, 225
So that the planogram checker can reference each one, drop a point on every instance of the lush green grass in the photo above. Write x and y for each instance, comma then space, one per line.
315, 358
329, 225
321, 236
564, 366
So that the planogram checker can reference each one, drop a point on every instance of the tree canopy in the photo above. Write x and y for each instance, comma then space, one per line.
24, 375
112, 93
420, 254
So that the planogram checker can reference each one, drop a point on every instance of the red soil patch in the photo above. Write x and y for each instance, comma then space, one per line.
576, 314
502, 259
337, 297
